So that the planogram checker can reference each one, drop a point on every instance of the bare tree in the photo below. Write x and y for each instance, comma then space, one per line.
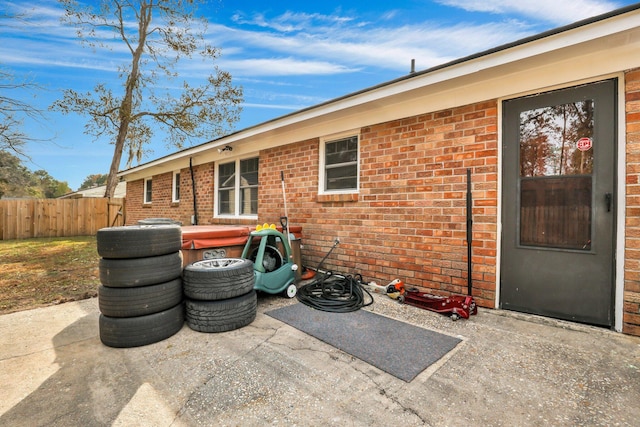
13, 112
157, 34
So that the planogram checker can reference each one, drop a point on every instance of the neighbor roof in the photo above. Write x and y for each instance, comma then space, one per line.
99, 191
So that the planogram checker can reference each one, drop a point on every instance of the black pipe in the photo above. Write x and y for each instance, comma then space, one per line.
193, 187
469, 232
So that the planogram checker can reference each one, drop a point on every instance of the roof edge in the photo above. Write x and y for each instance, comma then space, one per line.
526, 40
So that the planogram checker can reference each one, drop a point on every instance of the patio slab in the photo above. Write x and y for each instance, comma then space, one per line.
511, 369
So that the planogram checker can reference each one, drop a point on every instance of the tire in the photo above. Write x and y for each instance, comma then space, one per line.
127, 273
221, 316
218, 279
139, 301
142, 330
138, 241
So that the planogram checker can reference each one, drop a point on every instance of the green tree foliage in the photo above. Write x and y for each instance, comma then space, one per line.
156, 35
94, 180
50, 188
16, 181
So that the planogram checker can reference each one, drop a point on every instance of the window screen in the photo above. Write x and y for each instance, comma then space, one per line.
341, 164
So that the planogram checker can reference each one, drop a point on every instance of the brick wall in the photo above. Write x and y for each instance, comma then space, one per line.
134, 201
163, 207
409, 219
631, 316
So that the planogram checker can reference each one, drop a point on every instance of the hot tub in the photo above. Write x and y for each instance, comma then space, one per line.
219, 241
212, 241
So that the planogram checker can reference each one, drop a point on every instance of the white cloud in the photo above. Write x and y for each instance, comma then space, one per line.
266, 82
307, 44
282, 67
271, 106
325, 50
43, 9
554, 11
291, 21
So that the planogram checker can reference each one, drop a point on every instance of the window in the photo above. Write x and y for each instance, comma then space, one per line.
249, 186
226, 189
340, 169
175, 197
147, 190
230, 184
556, 175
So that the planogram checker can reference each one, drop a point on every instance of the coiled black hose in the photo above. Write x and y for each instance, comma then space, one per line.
336, 294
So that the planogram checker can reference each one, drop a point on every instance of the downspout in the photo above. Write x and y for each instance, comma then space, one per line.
194, 220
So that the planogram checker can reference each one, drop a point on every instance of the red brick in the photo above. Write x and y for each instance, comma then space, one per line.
631, 329
412, 191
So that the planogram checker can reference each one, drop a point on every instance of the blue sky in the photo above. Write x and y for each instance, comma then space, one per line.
286, 55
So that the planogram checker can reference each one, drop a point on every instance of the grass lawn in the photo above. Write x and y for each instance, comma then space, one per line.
40, 272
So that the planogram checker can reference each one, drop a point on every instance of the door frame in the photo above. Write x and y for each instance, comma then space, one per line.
620, 188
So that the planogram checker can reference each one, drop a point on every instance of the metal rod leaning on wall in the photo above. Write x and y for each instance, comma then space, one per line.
285, 223
469, 232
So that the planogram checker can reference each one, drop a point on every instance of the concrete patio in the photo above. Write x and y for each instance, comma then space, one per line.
510, 370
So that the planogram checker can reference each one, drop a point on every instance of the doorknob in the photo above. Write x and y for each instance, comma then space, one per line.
608, 198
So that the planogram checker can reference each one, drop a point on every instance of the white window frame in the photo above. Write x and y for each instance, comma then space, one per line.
175, 183
144, 191
237, 210
322, 166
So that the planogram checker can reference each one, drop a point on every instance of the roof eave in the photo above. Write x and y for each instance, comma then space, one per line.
600, 26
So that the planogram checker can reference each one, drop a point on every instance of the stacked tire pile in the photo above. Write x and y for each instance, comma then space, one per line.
219, 294
140, 296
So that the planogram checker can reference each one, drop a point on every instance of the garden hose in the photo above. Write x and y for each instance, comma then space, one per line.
336, 294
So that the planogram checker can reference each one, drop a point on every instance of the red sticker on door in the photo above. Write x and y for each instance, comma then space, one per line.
584, 144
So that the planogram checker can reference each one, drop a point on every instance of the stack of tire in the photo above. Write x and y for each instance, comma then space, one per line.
219, 294
140, 297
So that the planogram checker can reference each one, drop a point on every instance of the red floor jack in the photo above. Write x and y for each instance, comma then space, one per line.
459, 306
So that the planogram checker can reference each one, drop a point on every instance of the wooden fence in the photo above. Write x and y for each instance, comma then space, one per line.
29, 218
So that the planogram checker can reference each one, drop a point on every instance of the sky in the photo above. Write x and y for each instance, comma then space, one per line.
286, 55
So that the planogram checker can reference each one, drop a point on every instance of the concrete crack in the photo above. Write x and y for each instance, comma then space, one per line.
393, 398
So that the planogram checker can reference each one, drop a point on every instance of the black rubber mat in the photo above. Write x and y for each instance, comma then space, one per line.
398, 348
